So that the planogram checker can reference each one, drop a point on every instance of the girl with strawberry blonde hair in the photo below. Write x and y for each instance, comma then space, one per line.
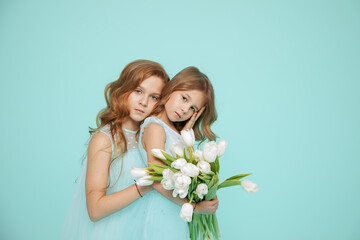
107, 203
187, 101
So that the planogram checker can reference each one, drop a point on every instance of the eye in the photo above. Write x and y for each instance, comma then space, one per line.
155, 98
192, 108
138, 91
184, 98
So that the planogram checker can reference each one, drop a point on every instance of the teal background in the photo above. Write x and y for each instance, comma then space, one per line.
286, 76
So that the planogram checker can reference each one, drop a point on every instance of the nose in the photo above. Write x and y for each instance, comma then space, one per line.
185, 109
144, 101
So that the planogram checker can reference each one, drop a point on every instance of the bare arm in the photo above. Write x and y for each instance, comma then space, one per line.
154, 137
99, 204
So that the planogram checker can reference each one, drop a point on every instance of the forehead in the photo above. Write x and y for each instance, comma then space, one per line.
152, 84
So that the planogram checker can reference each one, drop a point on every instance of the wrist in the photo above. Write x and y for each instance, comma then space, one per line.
194, 206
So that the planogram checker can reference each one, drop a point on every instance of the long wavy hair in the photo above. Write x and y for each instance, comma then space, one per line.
116, 95
191, 78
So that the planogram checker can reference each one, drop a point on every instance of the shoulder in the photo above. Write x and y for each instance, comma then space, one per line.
154, 129
99, 141
154, 136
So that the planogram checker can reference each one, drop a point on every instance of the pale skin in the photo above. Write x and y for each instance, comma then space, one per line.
100, 205
154, 137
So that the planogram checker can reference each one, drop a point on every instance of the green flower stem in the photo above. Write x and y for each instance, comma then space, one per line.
208, 232
191, 198
191, 154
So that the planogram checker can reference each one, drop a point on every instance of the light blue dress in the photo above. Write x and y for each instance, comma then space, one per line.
162, 216
124, 224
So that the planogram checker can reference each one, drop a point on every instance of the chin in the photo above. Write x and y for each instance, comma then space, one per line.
137, 118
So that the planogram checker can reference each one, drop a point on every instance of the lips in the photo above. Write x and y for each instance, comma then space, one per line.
178, 115
139, 111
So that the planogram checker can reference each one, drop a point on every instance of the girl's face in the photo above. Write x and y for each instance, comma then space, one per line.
142, 100
182, 104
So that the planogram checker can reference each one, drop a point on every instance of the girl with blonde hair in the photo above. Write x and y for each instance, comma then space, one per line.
187, 101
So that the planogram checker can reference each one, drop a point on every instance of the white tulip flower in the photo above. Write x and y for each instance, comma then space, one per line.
188, 137
177, 149
178, 163
168, 183
167, 173
204, 166
183, 192
221, 146
158, 153
144, 182
138, 172
181, 180
198, 153
249, 186
202, 189
190, 170
210, 151
186, 212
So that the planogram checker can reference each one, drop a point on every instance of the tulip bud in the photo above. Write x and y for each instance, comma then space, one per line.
188, 137
167, 173
144, 182
177, 149
178, 163
183, 192
204, 166
138, 172
198, 153
201, 190
221, 146
186, 212
181, 180
157, 153
168, 183
210, 151
249, 186
190, 170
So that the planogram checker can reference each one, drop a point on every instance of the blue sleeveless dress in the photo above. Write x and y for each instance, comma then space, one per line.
162, 216
123, 224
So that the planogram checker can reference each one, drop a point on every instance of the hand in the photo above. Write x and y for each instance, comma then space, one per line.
191, 122
207, 207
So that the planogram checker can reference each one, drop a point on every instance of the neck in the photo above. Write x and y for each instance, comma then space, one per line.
130, 124
163, 117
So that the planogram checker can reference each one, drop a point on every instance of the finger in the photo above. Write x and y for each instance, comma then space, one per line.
193, 118
200, 112
190, 123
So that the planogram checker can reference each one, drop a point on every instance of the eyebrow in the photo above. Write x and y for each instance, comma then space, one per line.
154, 93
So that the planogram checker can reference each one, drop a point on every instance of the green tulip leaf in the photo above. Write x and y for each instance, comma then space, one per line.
217, 164
154, 178
168, 157
239, 176
229, 183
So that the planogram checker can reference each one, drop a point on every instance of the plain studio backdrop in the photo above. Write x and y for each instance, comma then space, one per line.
287, 82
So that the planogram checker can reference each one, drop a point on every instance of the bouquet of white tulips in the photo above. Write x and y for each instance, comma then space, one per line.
193, 174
